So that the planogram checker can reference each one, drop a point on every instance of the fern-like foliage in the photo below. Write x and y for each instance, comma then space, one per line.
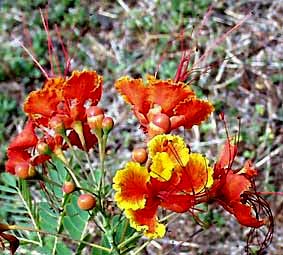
18, 207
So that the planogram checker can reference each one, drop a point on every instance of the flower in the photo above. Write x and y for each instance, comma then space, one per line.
141, 190
232, 188
140, 196
61, 104
59, 97
176, 100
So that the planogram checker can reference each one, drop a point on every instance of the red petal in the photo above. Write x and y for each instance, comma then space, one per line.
234, 186
54, 84
194, 110
178, 202
168, 94
226, 157
147, 215
24, 139
243, 213
41, 105
14, 158
134, 92
39, 159
85, 85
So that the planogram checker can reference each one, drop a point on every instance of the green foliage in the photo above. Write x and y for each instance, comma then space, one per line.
8, 108
17, 198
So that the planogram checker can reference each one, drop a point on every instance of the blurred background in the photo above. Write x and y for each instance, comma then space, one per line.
242, 77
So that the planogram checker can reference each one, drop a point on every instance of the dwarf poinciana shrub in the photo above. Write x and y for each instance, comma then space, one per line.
78, 203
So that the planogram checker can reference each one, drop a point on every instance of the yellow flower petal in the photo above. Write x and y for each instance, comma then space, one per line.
131, 186
174, 145
147, 223
162, 166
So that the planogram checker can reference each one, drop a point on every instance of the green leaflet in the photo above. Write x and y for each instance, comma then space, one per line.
75, 220
16, 197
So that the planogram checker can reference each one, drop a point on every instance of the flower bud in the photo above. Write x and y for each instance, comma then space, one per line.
25, 170
160, 124
57, 125
68, 187
107, 125
139, 155
43, 148
86, 202
95, 117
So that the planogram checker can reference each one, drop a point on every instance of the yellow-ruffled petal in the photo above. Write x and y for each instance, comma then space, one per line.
146, 222
196, 176
131, 186
174, 145
162, 166
159, 232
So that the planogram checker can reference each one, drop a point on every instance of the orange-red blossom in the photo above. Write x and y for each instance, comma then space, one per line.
178, 180
60, 105
163, 105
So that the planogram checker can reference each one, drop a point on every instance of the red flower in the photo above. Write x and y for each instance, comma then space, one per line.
61, 104
18, 149
231, 186
64, 98
174, 99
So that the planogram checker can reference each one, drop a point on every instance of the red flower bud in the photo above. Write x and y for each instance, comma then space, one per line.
86, 202
68, 187
25, 170
107, 124
57, 125
160, 124
95, 117
139, 155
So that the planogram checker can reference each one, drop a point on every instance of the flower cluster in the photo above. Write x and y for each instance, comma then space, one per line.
57, 120
162, 106
174, 178
166, 175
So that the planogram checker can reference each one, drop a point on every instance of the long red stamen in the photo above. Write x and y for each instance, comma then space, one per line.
65, 51
34, 60
50, 45
221, 39
279, 193
49, 41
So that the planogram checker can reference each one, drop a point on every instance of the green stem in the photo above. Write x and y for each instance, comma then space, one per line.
141, 247
74, 154
60, 220
133, 237
16, 227
102, 165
